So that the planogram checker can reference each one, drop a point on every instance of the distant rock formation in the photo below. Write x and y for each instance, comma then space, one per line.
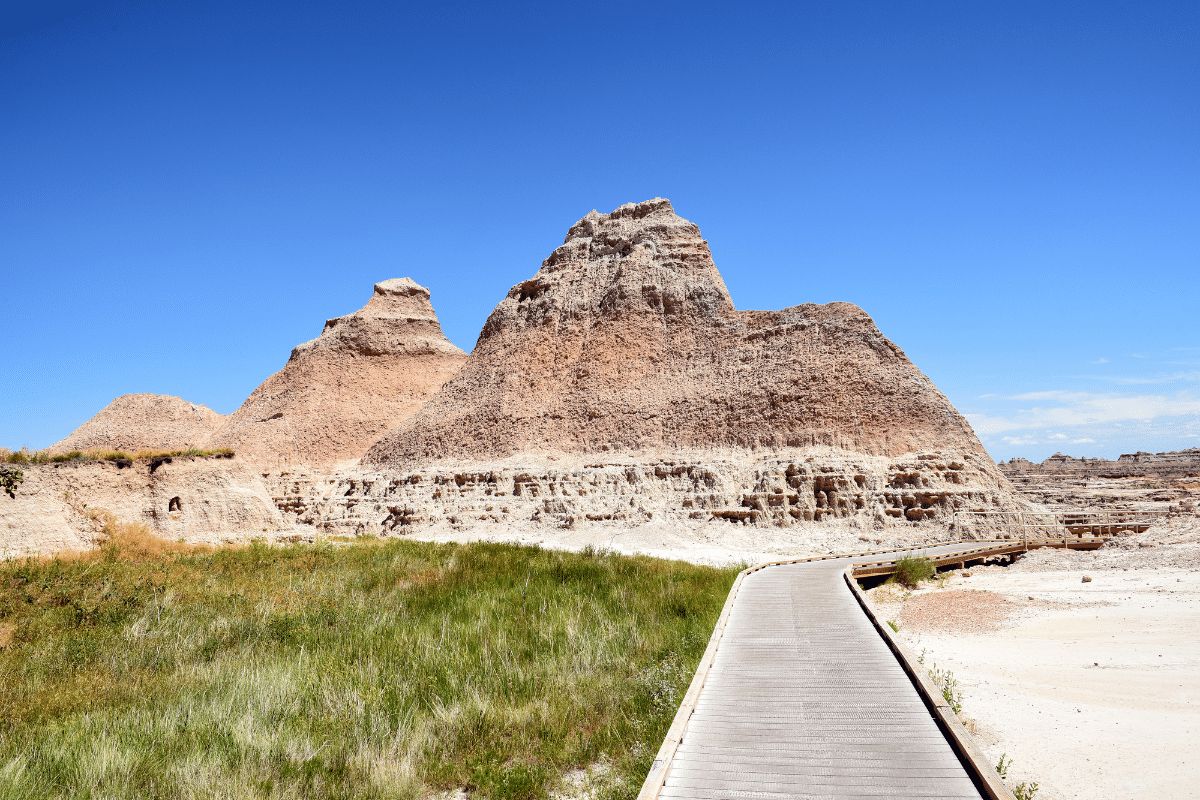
1167, 483
1173, 464
626, 340
365, 374
136, 422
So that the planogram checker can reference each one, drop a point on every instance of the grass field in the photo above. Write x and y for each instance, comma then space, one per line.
371, 670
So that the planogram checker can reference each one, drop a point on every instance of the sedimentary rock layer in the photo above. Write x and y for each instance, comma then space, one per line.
367, 373
134, 422
193, 499
1167, 483
626, 340
819, 484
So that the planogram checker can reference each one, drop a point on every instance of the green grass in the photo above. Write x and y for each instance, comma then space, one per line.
373, 670
911, 570
47, 457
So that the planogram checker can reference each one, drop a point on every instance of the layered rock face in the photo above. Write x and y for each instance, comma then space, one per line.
627, 340
191, 499
619, 383
1174, 464
785, 488
136, 422
1166, 483
365, 374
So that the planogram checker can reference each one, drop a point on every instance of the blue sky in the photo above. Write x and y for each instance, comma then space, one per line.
1011, 189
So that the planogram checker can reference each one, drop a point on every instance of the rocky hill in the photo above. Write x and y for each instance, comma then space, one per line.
136, 422
620, 384
365, 374
1161, 482
626, 340
1174, 464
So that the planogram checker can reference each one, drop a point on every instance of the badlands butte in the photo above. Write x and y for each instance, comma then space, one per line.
617, 387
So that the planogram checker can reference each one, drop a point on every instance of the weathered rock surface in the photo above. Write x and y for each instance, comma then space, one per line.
1162, 482
193, 499
134, 422
728, 485
364, 375
626, 340
624, 359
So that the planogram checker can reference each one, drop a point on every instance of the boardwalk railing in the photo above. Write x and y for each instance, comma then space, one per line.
1047, 527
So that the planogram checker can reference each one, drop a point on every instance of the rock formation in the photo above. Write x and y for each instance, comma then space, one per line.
365, 374
624, 359
627, 340
1167, 483
208, 500
136, 422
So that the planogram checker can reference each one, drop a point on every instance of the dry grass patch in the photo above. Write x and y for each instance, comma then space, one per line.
374, 670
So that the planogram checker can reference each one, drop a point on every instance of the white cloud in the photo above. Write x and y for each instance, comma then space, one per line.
1067, 409
1102, 360
1187, 376
1018, 441
1083, 440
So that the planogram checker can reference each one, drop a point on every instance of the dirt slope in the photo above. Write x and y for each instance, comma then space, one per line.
135, 422
365, 374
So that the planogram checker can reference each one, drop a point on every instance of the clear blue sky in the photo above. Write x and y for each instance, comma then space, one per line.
1012, 189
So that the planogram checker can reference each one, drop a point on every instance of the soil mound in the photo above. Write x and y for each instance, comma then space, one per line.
365, 374
136, 422
627, 340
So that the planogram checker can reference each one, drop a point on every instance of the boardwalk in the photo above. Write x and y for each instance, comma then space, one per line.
802, 699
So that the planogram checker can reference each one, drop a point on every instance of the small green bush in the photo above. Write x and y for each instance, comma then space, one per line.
944, 679
1026, 791
10, 479
911, 570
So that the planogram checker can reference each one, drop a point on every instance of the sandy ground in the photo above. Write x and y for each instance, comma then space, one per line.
1092, 689
715, 543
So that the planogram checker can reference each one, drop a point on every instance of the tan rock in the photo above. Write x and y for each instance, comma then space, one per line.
190, 499
626, 340
134, 422
365, 374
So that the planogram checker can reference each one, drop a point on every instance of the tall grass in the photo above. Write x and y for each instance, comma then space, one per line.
375, 670
48, 457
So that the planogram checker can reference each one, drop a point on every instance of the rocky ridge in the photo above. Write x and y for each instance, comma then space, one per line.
365, 374
1167, 482
198, 500
626, 340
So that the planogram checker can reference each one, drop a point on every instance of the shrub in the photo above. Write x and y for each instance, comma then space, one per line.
944, 679
121, 457
10, 479
911, 570
1026, 791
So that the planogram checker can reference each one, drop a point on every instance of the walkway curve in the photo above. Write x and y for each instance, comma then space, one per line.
803, 695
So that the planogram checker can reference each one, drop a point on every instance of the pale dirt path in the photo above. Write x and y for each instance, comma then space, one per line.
1093, 689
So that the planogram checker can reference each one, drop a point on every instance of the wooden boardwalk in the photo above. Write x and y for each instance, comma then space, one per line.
800, 697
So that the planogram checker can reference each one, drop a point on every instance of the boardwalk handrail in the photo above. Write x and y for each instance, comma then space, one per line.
981, 773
